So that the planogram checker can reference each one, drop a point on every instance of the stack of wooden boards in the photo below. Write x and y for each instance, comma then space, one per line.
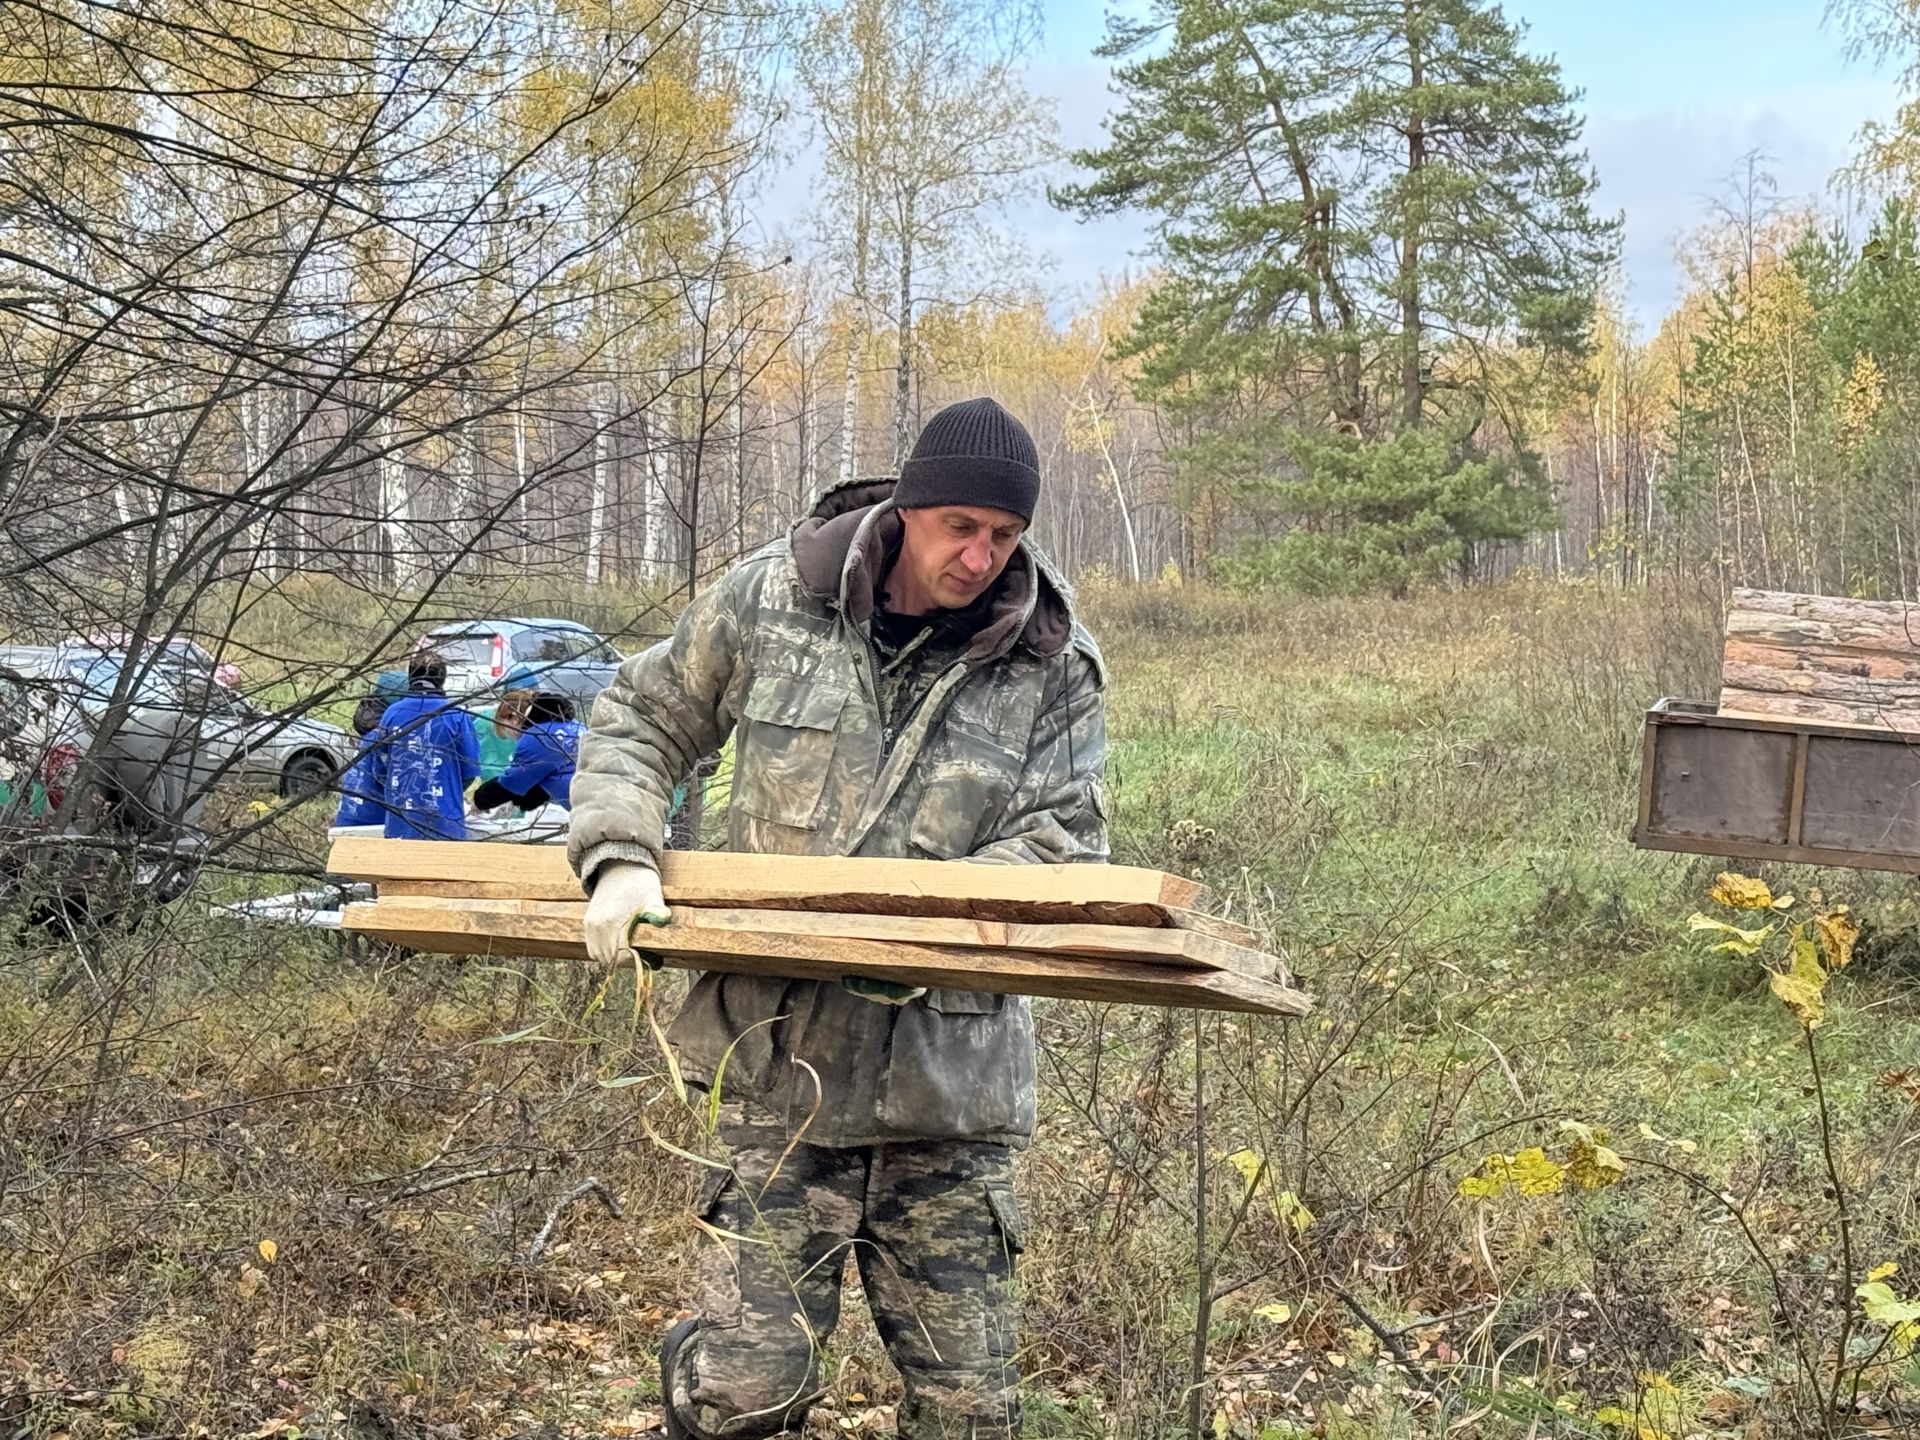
1089, 932
1821, 659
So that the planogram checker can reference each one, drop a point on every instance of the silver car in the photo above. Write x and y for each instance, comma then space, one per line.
82, 825
182, 731
567, 658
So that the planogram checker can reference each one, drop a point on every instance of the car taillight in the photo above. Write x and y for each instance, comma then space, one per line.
57, 772
499, 656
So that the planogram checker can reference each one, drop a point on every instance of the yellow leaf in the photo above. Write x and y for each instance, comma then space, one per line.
1883, 1307
1652, 1379
1837, 934
1488, 1181
1741, 892
1591, 1164
1535, 1174
1881, 1272
1292, 1211
1744, 942
1251, 1166
1801, 997
1612, 1415
1278, 1313
1647, 1132
1782, 902
1802, 989
269, 1251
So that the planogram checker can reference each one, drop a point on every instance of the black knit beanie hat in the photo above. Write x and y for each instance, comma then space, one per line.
972, 453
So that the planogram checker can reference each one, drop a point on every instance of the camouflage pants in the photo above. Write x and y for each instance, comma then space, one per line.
934, 1228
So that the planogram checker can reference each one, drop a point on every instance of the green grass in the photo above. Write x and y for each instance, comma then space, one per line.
1426, 803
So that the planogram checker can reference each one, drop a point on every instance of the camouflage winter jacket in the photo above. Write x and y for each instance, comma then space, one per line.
999, 761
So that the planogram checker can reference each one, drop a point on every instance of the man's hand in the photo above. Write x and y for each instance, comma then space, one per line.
624, 895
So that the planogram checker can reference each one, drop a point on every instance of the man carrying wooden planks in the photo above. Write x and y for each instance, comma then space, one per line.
902, 676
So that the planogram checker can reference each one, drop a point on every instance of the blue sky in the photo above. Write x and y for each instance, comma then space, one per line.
1676, 92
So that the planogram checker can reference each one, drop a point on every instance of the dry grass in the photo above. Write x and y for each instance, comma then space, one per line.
1427, 803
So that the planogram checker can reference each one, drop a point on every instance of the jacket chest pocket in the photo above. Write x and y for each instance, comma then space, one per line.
970, 781
786, 748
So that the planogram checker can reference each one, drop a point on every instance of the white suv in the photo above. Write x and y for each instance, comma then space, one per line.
568, 658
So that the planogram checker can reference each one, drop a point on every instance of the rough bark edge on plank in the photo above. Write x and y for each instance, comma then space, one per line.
1064, 977
1135, 943
1031, 912
1821, 657
1232, 932
1747, 705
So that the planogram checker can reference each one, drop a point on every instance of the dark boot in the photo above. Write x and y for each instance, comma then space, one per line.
670, 1345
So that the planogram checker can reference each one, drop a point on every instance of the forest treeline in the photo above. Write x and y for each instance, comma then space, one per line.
389, 290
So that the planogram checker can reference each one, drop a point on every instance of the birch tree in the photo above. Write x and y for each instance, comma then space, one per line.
847, 68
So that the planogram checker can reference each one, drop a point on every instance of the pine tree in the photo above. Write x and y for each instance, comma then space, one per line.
1359, 204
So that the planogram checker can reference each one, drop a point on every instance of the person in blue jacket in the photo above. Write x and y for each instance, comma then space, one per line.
433, 755
363, 784
543, 760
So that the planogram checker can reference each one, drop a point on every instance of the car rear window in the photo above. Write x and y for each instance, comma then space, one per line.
557, 646
99, 676
473, 648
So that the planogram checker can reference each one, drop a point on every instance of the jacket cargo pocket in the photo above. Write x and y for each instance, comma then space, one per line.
786, 748
966, 1002
970, 780
713, 1189
1006, 1215
718, 1260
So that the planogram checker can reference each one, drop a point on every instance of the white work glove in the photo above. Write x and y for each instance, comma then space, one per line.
624, 895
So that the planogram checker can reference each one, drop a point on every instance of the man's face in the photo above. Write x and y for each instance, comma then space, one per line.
952, 553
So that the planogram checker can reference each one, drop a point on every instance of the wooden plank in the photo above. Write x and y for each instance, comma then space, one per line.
1783, 616
1755, 705
1900, 665
1781, 854
1137, 942
1648, 737
1720, 781
515, 932
1142, 917
1822, 658
1092, 894
1232, 932
1797, 790
1876, 691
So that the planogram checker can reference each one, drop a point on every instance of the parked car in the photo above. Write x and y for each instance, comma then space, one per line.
79, 829
568, 658
187, 652
189, 729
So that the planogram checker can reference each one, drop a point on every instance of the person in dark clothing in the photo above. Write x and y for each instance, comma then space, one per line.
903, 676
363, 786
433, 755
543, 760
388, 686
